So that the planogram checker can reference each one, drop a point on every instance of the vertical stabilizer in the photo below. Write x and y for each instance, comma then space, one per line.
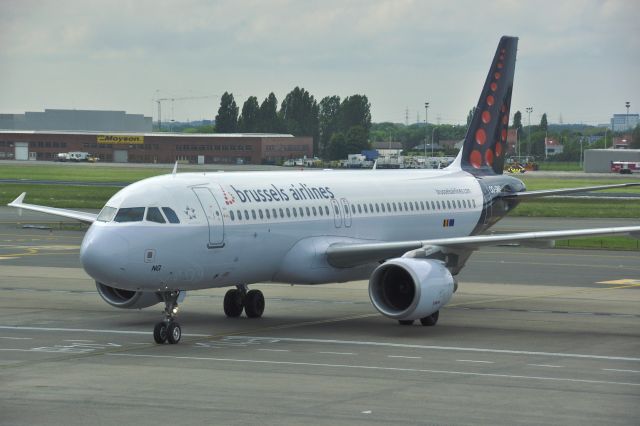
486, 141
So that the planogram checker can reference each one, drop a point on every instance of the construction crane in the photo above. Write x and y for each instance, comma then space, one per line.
183, 98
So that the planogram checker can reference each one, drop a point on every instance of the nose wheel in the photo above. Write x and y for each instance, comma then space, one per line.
168, 330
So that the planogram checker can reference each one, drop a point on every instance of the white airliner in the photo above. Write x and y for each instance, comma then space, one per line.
409, 232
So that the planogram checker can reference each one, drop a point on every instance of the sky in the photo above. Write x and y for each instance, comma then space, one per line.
578, 61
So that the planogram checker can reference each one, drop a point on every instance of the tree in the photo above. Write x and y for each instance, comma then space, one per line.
543, 122
356, 140
269, 120
227, 118
250, 118
299, 111
470, 116
355, 110
329, 119
517, 123
337, 147
635, 138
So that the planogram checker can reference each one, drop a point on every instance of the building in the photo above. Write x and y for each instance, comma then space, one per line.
387, 148
599, 160
77, 120
624, 122
622, 142
156, 147
552, 147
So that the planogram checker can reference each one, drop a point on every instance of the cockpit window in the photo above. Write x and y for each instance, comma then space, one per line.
172, 217
154, 215
107, 214
132, 214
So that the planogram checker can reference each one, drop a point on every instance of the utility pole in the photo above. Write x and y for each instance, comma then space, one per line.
626, 125
529, 111
426, 132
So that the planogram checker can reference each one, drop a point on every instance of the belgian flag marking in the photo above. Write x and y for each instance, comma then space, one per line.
447, 223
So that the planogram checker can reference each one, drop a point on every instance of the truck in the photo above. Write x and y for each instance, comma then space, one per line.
76, 156
625, 167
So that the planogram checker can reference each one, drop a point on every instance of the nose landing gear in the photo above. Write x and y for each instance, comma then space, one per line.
168, 330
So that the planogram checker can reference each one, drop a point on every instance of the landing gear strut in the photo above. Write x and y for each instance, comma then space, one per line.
168, 330
237, 299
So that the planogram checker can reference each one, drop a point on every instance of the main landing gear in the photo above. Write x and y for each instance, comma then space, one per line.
168, 330
237, 299
428, 321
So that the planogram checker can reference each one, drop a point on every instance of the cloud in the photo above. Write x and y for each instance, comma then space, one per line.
116, 54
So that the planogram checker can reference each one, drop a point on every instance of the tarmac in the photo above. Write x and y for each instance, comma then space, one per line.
533, 336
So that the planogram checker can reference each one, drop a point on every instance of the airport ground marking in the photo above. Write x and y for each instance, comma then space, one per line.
379, 368
441, 348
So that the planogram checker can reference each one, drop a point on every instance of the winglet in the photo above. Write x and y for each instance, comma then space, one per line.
175, 169
375, 165
18, 201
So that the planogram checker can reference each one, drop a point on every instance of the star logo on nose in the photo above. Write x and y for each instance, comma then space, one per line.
190, 212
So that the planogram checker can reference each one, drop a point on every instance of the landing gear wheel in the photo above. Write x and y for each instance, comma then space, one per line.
431, 320
160, 333
405, 322
233, 303
254, 304
174, 333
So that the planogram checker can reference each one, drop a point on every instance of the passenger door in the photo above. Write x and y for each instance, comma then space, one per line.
214, 216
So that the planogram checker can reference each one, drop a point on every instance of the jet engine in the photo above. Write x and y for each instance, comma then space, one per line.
410, 288
127, 299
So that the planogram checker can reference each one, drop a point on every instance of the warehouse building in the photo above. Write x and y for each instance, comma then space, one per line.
132, 147
77, 120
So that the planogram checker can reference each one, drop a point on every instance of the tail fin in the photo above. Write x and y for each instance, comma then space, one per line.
486, 140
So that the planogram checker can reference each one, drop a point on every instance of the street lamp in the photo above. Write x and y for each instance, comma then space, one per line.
529, 111
627, 104
426, 132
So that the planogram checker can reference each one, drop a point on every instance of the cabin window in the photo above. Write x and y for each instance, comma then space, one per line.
231, 215
154, 215
301, 212
172, 217
399, 206
388, 207
246, 214
449, 204
394, 207
353, 208
326, 210
253, 213
295, 212
313, 209
365, 208
308, 211
474, 203
459, 204
107, 214
421, 205
359, 209
266, 211
320, 210
382, 207
260, 214
438, 204
288, 212
406, 209
239, 215
377, 208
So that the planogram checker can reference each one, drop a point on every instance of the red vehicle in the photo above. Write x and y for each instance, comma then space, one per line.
625, 167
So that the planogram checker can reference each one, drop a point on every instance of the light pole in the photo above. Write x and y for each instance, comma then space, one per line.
529, 111
626, 124
426, 132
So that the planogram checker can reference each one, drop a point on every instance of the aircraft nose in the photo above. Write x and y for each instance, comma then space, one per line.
103, 255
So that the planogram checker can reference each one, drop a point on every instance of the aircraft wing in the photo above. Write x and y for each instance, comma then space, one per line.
73, 214
547, 192
343, 255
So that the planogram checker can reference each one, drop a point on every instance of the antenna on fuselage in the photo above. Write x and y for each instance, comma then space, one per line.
175, 169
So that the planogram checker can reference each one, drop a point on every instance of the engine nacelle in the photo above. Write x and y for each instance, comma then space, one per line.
127, 299
410, 288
